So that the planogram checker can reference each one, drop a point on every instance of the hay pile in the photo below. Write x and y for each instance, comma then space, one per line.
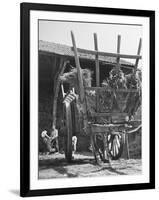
72, 79
127, 102
116, 80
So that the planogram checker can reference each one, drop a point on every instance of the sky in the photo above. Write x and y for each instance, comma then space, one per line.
59, 32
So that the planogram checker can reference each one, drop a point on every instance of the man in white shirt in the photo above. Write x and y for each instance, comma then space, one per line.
52, 140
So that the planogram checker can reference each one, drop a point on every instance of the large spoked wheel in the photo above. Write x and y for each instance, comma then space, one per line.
115, 145
68, 131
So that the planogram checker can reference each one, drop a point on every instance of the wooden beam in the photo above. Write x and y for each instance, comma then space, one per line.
127, 66
134, 130
118, 50
109, 90
80, 81
138, 53
109, 114
127, 146
63, 92
79, 73
98, 128
100, 53
97, 60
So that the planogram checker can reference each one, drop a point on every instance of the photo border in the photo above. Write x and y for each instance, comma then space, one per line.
25, 99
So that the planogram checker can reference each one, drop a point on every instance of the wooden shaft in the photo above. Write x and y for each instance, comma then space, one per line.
62, 88
79, 73
105, 157
100, 53
97, 60
118, 50
127, 146
80, 82
138, 53
100, 114
110, 90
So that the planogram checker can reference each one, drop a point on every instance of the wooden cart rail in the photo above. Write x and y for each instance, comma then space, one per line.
109, 90
118, 114
100, 53
99, 128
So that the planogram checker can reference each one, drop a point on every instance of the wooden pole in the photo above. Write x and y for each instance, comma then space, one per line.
63, 93
127, 146
100, 53
138, 53
118, 50
97, 70
80, 81
79, 73
105, 150
97, 60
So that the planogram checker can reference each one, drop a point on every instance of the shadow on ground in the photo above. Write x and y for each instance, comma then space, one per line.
56, 166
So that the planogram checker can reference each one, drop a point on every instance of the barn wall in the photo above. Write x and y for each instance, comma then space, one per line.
48, 69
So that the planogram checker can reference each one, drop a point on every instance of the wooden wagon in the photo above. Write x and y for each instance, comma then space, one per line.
114, 132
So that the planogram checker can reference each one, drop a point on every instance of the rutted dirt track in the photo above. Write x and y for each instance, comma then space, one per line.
83, 165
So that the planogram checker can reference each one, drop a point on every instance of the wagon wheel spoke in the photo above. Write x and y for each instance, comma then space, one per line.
116, 146
118, 142
110, 146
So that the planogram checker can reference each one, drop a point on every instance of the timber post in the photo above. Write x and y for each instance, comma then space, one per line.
138, 53
97, 61
118, 50
79, 73
80, 81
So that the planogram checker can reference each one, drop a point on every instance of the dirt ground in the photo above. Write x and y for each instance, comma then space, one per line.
83, 165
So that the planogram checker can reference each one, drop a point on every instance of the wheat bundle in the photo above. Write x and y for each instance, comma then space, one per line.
72, 78
127, 101
116, 79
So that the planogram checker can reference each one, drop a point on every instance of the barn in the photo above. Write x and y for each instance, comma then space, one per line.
52, 58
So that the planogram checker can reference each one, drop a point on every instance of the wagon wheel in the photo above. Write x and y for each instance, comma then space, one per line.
68, 131
115, 145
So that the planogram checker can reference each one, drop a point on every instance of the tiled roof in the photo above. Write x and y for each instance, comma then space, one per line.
65, 50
